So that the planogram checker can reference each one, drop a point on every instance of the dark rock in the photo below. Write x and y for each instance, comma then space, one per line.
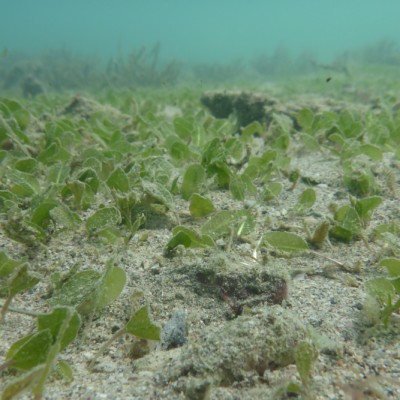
248, 107
31, 87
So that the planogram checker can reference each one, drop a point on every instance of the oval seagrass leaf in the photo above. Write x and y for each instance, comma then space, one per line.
110, 287
54, 321
200, 206
142, 326
101, 219
286, 241
193, 180
31, 350
392, 265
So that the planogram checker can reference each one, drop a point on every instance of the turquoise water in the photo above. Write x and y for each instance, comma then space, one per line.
198, 31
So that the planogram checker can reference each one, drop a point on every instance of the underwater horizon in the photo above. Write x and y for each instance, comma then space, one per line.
207, 41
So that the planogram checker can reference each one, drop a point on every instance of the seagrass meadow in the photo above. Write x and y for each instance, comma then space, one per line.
199, 216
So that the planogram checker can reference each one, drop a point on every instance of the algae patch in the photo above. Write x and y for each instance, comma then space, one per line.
238, 285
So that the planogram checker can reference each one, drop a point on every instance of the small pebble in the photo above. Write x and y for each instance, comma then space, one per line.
155, 269
174, 333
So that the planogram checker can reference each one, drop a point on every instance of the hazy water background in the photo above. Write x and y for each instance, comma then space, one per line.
207, 30
265, 35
